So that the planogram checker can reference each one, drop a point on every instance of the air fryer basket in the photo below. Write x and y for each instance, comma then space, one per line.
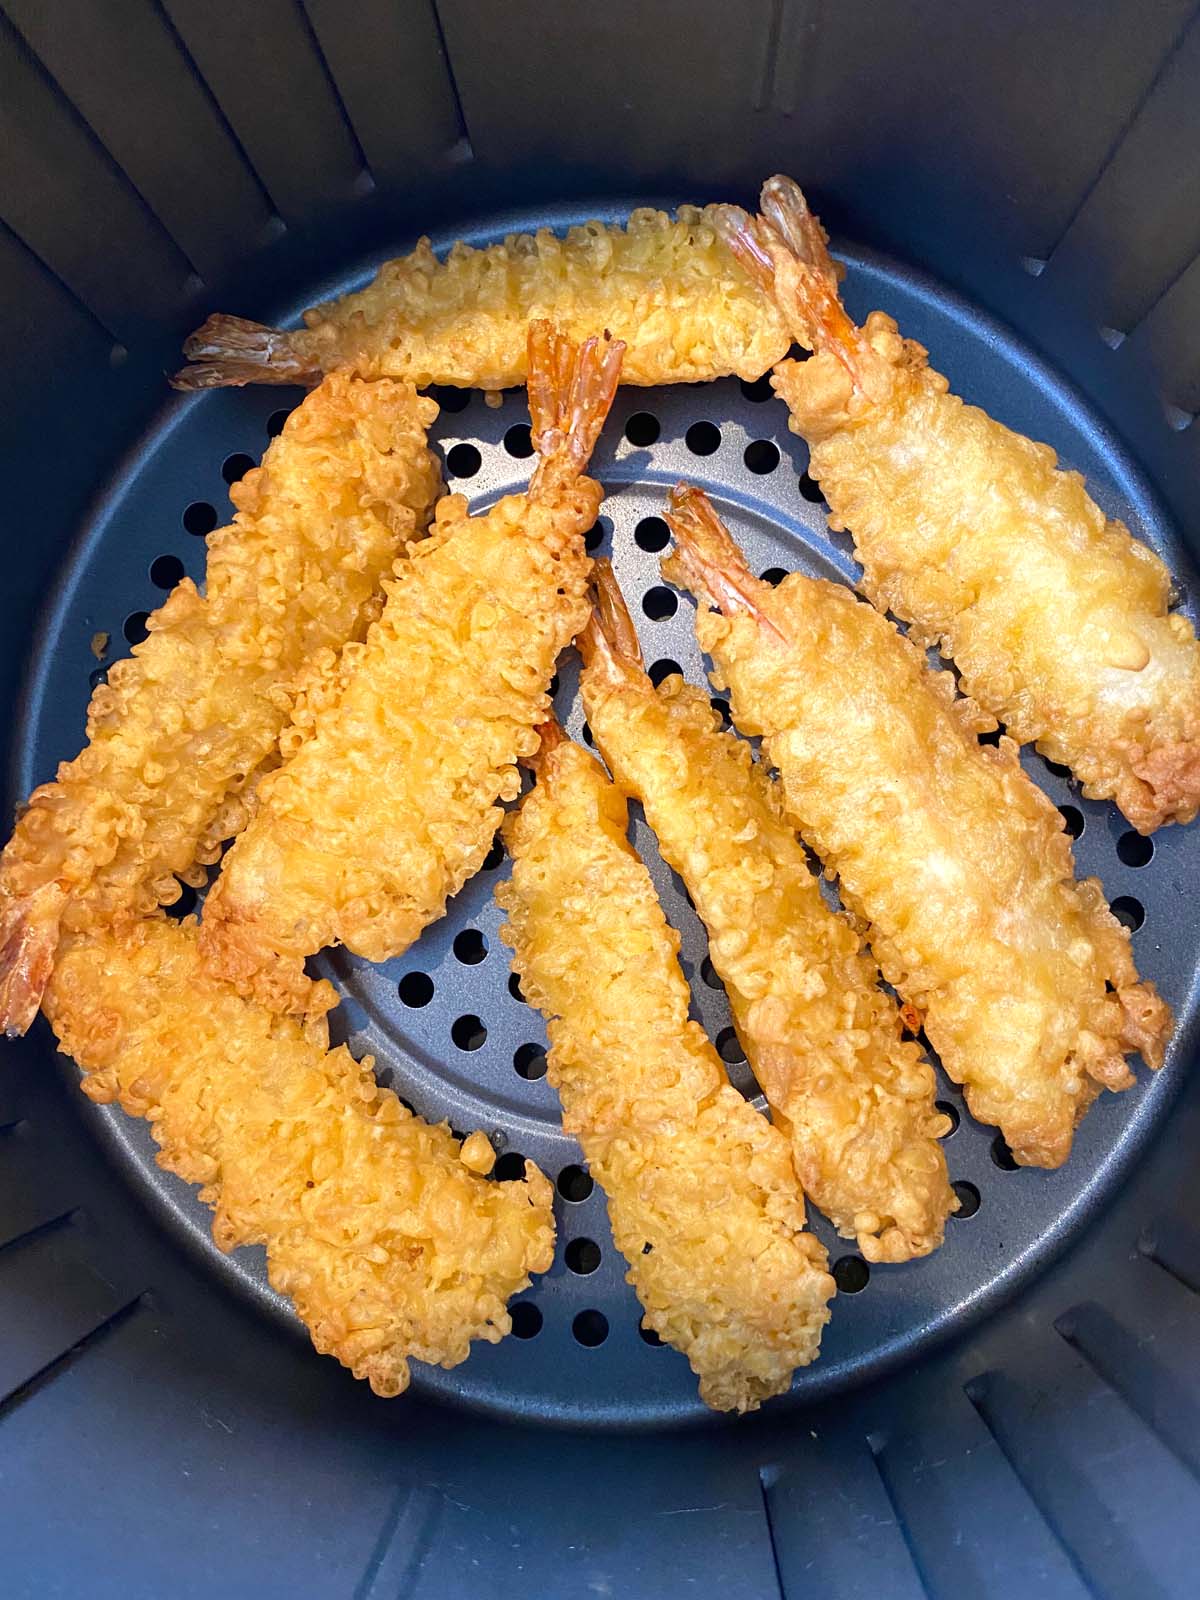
1018, 1415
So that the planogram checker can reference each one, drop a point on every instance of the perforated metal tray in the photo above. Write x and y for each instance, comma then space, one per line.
446, 1023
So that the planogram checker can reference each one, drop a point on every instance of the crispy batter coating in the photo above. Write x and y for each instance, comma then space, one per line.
702, 1198
181, 730
669, 288
957, 863
1057, 619
390, 802
854, 1098
376, 1224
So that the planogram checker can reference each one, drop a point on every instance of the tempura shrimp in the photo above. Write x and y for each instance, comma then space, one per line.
389, 801
669, 289
181, 731
957, 864
702, 1198
377, 1225
1058, 620
855, 1100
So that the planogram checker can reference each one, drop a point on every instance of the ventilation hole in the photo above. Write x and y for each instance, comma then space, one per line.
774, 576
1129, 911
575, 1184
200, 518
590, 1328
495, 855
236, 466
703, 438
851, 1274
1057, 768
514, 988
97, 677
166, 571
510, 1166
660, 603
761, 456
951, 1111
709, 973
451, 400
468, 1032
276, 421
651, 534
1002, 1155
470, 947
648, 1334
1134, 850
721, 707
586, 731
729, 1047
811, 490
582, 1256
134, 627
968, 1198
759, 390
662, 669
186, 904
526, 1320
594, 537
416, 989
463, 461
642, 429
530, 1061
1073, 818
518, 441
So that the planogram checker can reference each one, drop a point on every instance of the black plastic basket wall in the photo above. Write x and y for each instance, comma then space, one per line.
1019, 1416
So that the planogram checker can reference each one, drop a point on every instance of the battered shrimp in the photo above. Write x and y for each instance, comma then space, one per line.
180, 731
669, 288
390, 802
1056, 618
702, 1198
853, 1098
956, 862
377, 1225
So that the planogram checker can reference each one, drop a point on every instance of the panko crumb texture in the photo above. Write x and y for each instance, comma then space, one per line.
855, 1099
702, 1198
181, 730
376, 1224
390, 799
668, 287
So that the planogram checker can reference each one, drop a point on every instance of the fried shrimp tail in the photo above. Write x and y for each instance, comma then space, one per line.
667, 287
1058, 621
232, 351
376, 1224
853, 1098
181, 731
390, 795
702, 1198
956, 863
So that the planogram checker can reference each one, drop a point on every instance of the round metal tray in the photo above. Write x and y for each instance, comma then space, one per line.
446, 1023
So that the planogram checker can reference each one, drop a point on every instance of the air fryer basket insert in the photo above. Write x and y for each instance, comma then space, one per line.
977, 1424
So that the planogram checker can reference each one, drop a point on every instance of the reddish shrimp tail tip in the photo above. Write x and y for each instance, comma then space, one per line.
786, 209
740, 232
708, 559
571, 389
28, 942
227, 352
610, 627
